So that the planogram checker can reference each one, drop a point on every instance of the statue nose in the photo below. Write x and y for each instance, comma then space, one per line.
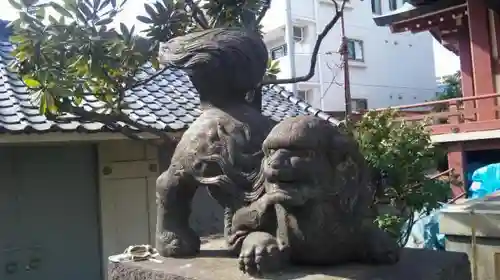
280, 159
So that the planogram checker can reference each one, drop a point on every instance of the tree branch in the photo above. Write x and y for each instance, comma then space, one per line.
265, 7
197, 14
149, 79
338, 13
111, 120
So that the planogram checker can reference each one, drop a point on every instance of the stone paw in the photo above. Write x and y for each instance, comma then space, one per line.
382, 249
182, 244
260, 254
386, 254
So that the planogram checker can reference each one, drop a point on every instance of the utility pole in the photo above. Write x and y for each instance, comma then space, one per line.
347, 82
290, 43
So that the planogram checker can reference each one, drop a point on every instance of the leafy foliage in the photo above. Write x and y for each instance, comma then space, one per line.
453, 86
273, 68
75, 51
403, 154
452, 89
62, 59
241, 13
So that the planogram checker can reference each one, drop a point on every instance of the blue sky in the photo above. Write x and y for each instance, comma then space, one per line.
445, 62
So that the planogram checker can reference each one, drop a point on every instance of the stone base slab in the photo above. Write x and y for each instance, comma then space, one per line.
214, 264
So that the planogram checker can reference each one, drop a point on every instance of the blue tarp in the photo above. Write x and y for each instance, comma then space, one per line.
425, 232
485, 179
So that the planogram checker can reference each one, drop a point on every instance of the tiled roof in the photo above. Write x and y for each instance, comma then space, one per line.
168, 102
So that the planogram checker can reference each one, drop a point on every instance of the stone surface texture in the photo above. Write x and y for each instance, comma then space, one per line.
213, 264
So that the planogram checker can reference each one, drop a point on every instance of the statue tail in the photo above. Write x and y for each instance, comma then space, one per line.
219, 59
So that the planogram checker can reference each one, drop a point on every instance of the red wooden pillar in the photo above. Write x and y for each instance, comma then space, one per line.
496, 62
466, 71
456, 160
481, 57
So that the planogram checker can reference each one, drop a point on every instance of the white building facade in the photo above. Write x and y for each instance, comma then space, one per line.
385, 69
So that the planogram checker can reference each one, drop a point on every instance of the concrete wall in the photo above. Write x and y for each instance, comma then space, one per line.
127, 179
397, 68
127, 174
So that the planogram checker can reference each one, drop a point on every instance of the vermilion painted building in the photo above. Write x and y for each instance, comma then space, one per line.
471, 29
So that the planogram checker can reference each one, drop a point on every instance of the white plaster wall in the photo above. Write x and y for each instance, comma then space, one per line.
275, 17
398, 68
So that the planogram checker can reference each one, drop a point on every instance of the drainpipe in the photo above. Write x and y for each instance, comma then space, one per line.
290, 43
320, 68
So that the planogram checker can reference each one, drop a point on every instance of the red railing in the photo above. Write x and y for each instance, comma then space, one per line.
456, 114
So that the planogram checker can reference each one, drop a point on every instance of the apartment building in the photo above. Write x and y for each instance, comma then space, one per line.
385, 69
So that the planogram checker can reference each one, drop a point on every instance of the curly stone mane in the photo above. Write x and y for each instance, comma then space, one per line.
223, 63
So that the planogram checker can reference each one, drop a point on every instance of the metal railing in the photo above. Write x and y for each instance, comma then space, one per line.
451, 115
452, 111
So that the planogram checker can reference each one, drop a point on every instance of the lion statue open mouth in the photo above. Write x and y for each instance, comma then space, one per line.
315, 201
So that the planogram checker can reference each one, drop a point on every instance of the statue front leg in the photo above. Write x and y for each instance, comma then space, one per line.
253, 240
377, 247
260, 253
174, 236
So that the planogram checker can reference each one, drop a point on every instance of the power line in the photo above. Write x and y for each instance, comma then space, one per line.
390, 86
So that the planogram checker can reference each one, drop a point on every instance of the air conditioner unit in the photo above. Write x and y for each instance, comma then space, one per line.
360, 104
298, 33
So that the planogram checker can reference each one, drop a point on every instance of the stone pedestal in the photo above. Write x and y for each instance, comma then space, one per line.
472, 227
213, 264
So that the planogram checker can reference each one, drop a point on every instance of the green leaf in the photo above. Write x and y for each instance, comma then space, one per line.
52, 20
105, 21
160, 8
61, 91
155, 63
77, 100
131, 33
123, 3
85, 10
61, 10
105, 3
43, 103
125, 31
51, 104
16, 39
31, 83
151, 12
15, 4
144, 19
40, 13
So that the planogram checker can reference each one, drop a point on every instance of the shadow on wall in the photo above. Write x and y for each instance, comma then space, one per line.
207, 217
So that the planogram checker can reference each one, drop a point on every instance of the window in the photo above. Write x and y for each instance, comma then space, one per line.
279, 52
298, 33
393, 5
303, 94
359, 104
376, 7
355, 49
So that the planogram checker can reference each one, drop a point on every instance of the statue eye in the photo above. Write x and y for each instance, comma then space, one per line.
270, 151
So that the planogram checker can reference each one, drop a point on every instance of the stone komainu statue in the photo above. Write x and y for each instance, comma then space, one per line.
312, 203
301, 197
222, 148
